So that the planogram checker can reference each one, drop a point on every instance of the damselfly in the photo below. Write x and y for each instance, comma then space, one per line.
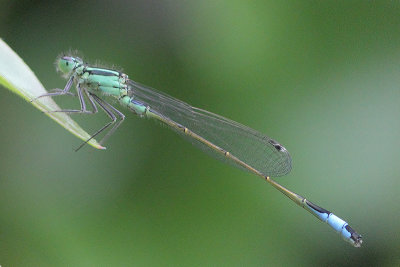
225, 139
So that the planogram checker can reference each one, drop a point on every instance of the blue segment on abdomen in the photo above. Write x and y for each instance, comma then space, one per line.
336, 223
321, 213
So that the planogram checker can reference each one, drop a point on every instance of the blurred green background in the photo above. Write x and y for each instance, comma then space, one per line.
321, 78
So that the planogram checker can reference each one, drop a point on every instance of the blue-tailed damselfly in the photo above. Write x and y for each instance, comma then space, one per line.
225, 139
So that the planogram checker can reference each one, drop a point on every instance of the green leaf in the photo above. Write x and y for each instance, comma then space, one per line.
16, 76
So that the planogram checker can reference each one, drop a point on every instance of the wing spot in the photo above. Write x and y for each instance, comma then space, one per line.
276, 145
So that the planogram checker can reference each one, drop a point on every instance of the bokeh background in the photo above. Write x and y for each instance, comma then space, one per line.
321, 78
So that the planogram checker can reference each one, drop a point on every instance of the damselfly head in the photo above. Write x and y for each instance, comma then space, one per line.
66, 64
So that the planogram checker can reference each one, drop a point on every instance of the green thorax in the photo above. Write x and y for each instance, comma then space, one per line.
109, 82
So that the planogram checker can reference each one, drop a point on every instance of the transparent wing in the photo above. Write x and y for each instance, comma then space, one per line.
216, 133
